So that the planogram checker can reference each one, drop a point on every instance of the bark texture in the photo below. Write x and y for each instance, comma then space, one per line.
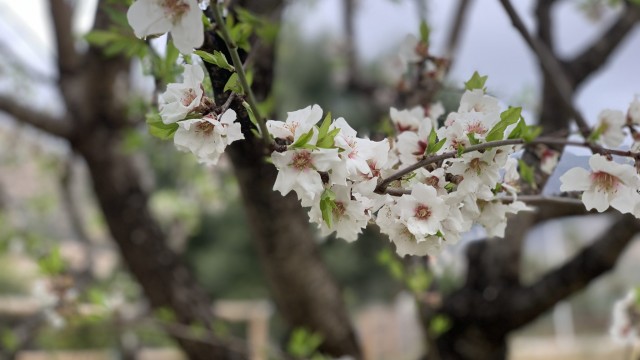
94, 89
305, 292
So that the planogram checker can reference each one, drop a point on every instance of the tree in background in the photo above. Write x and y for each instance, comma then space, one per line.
475, 325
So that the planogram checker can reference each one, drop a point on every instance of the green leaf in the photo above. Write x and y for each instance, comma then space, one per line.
424, 32
439, 325
9, 340
476, 82
159, 129
419, 280
101, 37
519, 130
304, 343
437, 146
302, 140
472, 139
507, 118
327, 205
460, 150
252, 116
324, 127
52, 263
533, 131
328, 141
217, 58
526, 173
234, 85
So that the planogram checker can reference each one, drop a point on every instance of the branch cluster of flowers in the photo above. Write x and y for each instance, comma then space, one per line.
203, 129
425, 187
339, 175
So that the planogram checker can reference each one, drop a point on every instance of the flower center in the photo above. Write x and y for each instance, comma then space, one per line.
339, 210
302, 160
175, 9
432, 181
476, 127
188, 96
605, 181
205, 127
422, 212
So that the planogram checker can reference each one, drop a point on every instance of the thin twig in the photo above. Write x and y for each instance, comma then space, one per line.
552, 66
237, 63
595, 148
38, 119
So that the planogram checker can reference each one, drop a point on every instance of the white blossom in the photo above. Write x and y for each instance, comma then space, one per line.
610, 126
406, 242
298, 171
298, 123
208, 137
349, 216
607, 184
181, 99
423, 211
183, 18
625, 325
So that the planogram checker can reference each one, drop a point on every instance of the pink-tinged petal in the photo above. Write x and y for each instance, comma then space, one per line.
595, 200
576, 179
146, 18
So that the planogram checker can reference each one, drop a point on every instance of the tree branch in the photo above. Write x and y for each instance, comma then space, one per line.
456, 28
599, 52
45, 122
576, 274
552, 66
62, 18
545, 24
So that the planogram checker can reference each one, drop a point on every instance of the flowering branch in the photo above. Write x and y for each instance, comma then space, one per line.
595, 148
448, 155
237, 64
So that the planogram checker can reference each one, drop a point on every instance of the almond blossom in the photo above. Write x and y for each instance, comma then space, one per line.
208, 137
423, 211
181, 99
183, 18
298, 171
407, 120
610, 126
405, 241
349, 216
298, 123
607, 184
625, 326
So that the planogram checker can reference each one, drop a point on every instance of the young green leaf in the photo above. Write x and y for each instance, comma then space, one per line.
324, 127
424, 32
327, 142
303, 140
234, 85
159, 129
507, 118
526, 173
472, 139
476, 82
217, 58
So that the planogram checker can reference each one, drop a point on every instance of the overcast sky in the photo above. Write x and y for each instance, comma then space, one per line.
489, 44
